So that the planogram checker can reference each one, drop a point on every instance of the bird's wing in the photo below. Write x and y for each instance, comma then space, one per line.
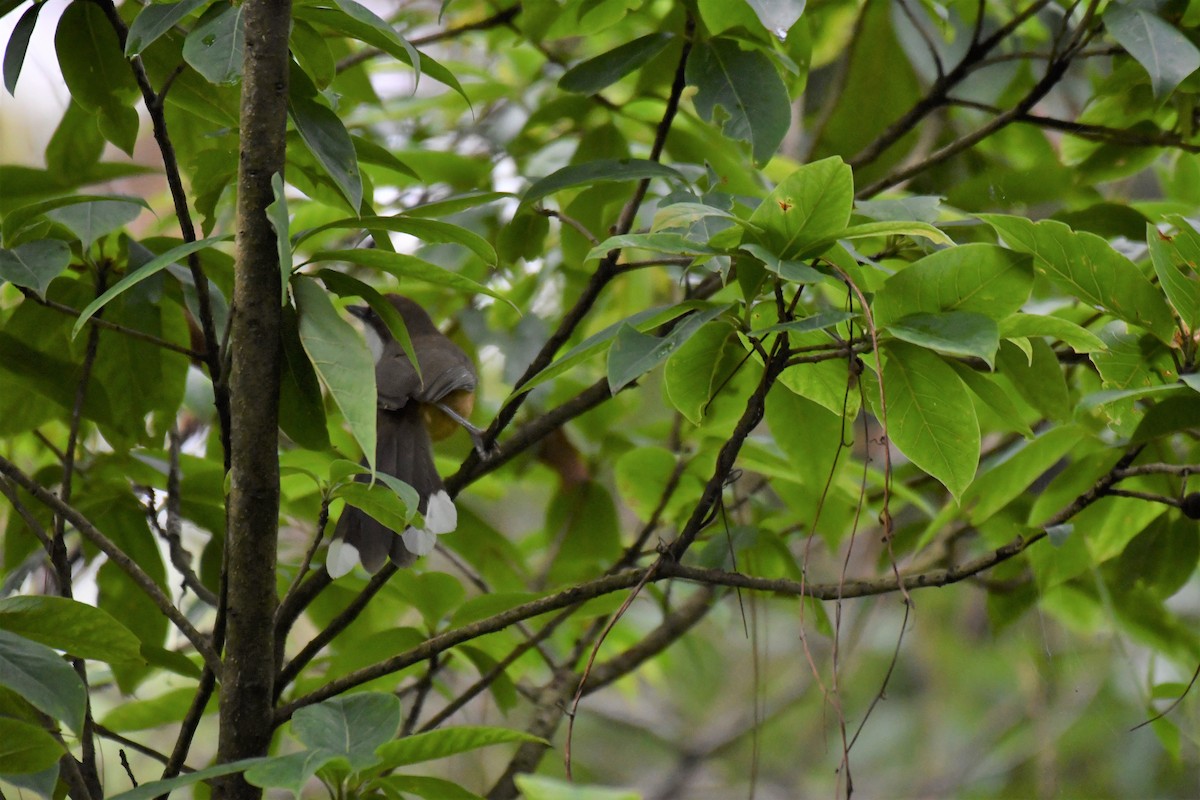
396, 381
446, 370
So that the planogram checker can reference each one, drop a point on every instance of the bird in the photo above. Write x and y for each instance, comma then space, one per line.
412, 409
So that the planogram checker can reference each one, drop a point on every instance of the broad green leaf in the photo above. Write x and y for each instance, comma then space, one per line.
142, 714
434, 594
790, 269
1006, 477
34, 264
216, 45
341, 358
301, 405
427, 788
18, 45
901, 209
641, 476
599, 342
91, 220
77, 144
670, 243
312, 52
21, 218
589, 77
930, 416
153, 789
77, 628
327, 139
870, 230
404, 266
1133, 362
42, 677
956, 333
1087, 267
746, 85
1095, 400
995, 397
155, 265
352, 726
290, 772
1039, 381
1166, 54
424, 747
154, 20
277, 215
359, 22
691, 373
980, 278
1079, 339
633, 354
817, 322
593, 172
95, 72
380, 502
1176, 276
26, 748
427, 230
682, 215
540, 787
812, 203
1170, 415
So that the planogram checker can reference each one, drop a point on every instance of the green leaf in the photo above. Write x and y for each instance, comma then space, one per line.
692, 372
91, 220
812, 203
1011, 474
154, 20
1079, 339
1095, 400
1039, 381
1176, 276
341, 358
979, 278
18, 45
301, 406
77, 628
216, 45
427, 230
599, 342
42, 677
329, 142
670, 243
589, 77
1089, 269
428, 788
1163, 51
593, 172
26, 748
404, 266
424, 747
633, 354
277, 215
540, 787
956, 333
155, 265
345, 286
987, 389
34, 264
95, 72
21, 218
142, 714
817, 322
149, 791
394, 509
869, 230
747, 87
289, 772
352, 726
789, 270
930, 417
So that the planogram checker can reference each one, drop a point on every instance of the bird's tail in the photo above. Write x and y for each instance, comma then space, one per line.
403, 449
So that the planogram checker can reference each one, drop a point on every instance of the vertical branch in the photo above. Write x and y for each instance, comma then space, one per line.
253, 506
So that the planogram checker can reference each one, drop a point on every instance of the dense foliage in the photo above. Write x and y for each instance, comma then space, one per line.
784, 313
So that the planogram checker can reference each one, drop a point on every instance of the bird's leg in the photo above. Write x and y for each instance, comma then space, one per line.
476, 434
